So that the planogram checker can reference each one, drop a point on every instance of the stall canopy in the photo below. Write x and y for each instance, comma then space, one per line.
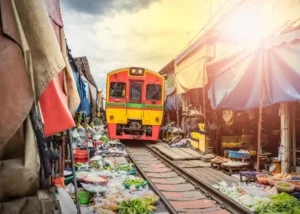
172, 100
274, 67
190, 70
83, 65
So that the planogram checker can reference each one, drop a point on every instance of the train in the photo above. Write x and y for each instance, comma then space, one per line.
134, 104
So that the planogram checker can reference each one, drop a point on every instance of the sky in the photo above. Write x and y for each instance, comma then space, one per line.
122, 33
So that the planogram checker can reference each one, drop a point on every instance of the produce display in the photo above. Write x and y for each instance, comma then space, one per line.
150, 198
126, 167
219, 159
263, 179
282, 176
95, 165
281, 203
261, 199
138, 206
296, 183
235, 163
95, 179
134, 182
284, 186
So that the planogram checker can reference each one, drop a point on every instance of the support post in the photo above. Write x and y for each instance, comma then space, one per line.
284, 141
259, 127
294, 136
73, 171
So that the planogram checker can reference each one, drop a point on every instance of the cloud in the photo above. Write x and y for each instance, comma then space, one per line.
96, 7
147, 38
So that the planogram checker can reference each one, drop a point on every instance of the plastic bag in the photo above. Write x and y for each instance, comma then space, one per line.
70, 188
96, 158
94, 188
75, 133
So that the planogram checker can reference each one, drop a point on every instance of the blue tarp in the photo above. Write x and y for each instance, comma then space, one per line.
172, 101
82, 91
237, 83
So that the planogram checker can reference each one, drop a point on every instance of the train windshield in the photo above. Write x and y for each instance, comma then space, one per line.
136, 91
153, 92
117, 89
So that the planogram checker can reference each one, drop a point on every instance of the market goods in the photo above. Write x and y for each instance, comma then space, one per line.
219, 159
263, 179
282, 176
81, 175
104, 139
127, 167
103, 211
110, 206
94, 188
134, 182
137, 206
235, 164
296, 183
272, 180
95, 179
150, 199
67, 173
95, 165
284, 186
281, 203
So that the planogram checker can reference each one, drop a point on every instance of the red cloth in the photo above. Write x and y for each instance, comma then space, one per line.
54, 102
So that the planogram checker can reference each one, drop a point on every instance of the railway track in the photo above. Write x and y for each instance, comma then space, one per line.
182, 190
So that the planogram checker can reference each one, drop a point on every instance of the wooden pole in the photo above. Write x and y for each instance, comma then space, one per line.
284, 145
259, 134
294, 136
259, 126
70, 146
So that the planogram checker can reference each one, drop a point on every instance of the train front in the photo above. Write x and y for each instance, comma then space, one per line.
135, 104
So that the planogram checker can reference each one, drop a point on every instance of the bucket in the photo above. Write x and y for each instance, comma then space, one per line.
84, 197
275, 166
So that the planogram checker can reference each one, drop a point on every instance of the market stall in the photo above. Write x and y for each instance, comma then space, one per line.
107, 181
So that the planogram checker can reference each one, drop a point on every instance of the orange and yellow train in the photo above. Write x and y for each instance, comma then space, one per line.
134, 103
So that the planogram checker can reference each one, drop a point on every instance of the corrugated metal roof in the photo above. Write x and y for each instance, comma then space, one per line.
227, 57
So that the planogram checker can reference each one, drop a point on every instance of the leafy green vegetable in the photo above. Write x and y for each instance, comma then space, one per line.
281, 203
94, 165
284, 185
136, 206
128, 167
134, 182
104, 139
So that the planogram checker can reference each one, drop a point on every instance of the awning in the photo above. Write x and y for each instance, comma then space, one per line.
190, 72
237, 82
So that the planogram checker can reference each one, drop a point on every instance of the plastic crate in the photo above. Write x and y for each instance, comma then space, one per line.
236, 154
81, 160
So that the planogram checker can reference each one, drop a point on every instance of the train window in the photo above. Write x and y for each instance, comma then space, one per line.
135, 91
117, 89
153, 92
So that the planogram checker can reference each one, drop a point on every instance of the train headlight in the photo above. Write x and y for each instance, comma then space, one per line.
111, 117
157, 119
136, 71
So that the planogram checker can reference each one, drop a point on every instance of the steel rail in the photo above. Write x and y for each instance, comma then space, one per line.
224, 201
161, 196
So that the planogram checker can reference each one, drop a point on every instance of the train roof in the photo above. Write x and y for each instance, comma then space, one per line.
156, 73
